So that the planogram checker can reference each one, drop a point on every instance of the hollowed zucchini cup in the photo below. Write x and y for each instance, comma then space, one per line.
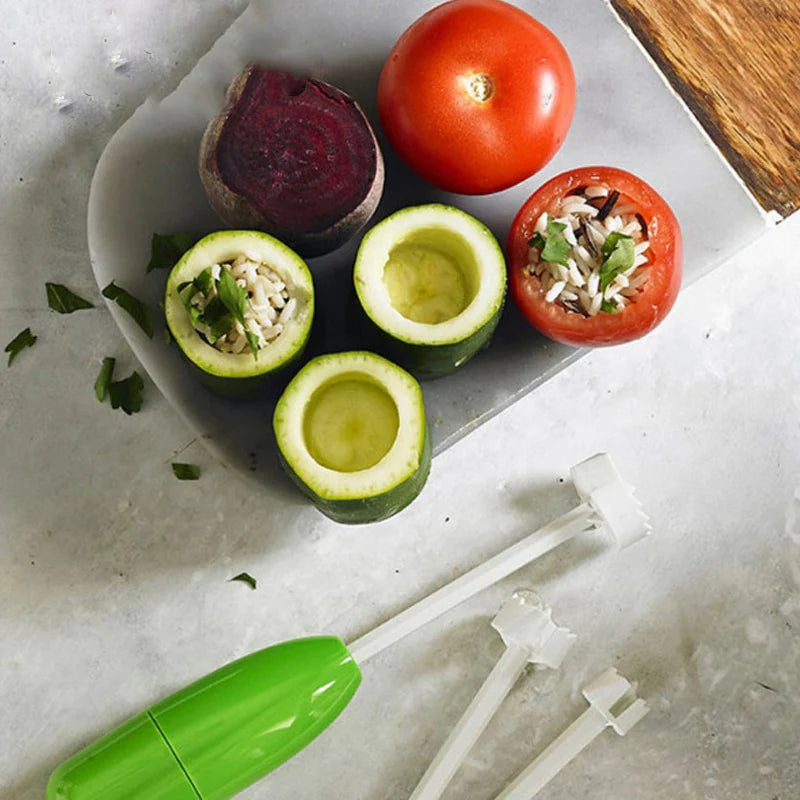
353, 436
431, 280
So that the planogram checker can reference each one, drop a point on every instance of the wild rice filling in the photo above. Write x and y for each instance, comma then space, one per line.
239, 305
590, 251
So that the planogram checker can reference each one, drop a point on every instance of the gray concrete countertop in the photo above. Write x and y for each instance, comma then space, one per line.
115, 585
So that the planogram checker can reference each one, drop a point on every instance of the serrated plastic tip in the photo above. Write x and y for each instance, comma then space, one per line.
615, 698
597, 482
525, 621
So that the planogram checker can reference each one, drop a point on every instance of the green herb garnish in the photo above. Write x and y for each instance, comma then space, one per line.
553, 246
245, 577
61, 299
136, 308
618, 256
204, 282
21, 340
186, 472
220, 325
127, 394
104, 379
235, 299
221, 312
167, 249
609, 306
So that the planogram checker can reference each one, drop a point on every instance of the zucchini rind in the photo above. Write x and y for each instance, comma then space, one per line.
352, 434
432, 280
278, 309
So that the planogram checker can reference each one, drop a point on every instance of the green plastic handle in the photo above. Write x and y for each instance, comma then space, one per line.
221, 733
131, 761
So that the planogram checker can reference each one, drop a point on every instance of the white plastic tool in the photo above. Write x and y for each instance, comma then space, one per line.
607, 504
612, 703
525, 623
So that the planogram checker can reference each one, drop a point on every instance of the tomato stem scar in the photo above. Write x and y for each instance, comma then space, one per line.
480, 87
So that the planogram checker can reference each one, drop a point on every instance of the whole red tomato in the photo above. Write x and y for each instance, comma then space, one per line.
476, 96
644, 308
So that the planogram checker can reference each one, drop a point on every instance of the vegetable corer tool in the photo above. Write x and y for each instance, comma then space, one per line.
530, 636
612, 703
223, 732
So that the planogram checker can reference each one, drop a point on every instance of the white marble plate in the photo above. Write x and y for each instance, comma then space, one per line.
146, 181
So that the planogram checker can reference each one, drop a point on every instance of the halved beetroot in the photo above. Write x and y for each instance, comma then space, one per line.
293, 157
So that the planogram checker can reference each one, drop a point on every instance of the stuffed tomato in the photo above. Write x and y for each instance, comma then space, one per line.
595, 257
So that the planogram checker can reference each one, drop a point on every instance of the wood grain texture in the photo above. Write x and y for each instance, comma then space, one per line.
736, 64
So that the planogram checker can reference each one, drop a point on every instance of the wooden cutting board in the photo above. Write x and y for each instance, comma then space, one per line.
736, 64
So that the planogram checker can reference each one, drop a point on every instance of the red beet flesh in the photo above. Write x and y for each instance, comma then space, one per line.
293, 157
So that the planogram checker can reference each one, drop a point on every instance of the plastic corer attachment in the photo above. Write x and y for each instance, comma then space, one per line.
214, 738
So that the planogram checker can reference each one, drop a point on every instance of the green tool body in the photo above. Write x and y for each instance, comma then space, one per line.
218, 735
222, 733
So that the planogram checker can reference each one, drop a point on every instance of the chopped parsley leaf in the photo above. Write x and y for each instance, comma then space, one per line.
136, 308
537, 240
609, 306
61, 299
186, 472
21, 340
204, 282
618, 256
245, 577
104, 379
127, 394
235, 299
553, 246
167, 249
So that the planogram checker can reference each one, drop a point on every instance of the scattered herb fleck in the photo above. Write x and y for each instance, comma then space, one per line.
245, 577
186, 472
167, 249
21, 340
136, 308
61, 299
104, 379
127, 394
766, 686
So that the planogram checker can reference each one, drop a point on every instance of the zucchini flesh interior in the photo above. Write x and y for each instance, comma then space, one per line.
350, 423
431, 276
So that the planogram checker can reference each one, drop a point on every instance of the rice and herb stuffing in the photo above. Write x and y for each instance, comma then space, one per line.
239, 304
590, 251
